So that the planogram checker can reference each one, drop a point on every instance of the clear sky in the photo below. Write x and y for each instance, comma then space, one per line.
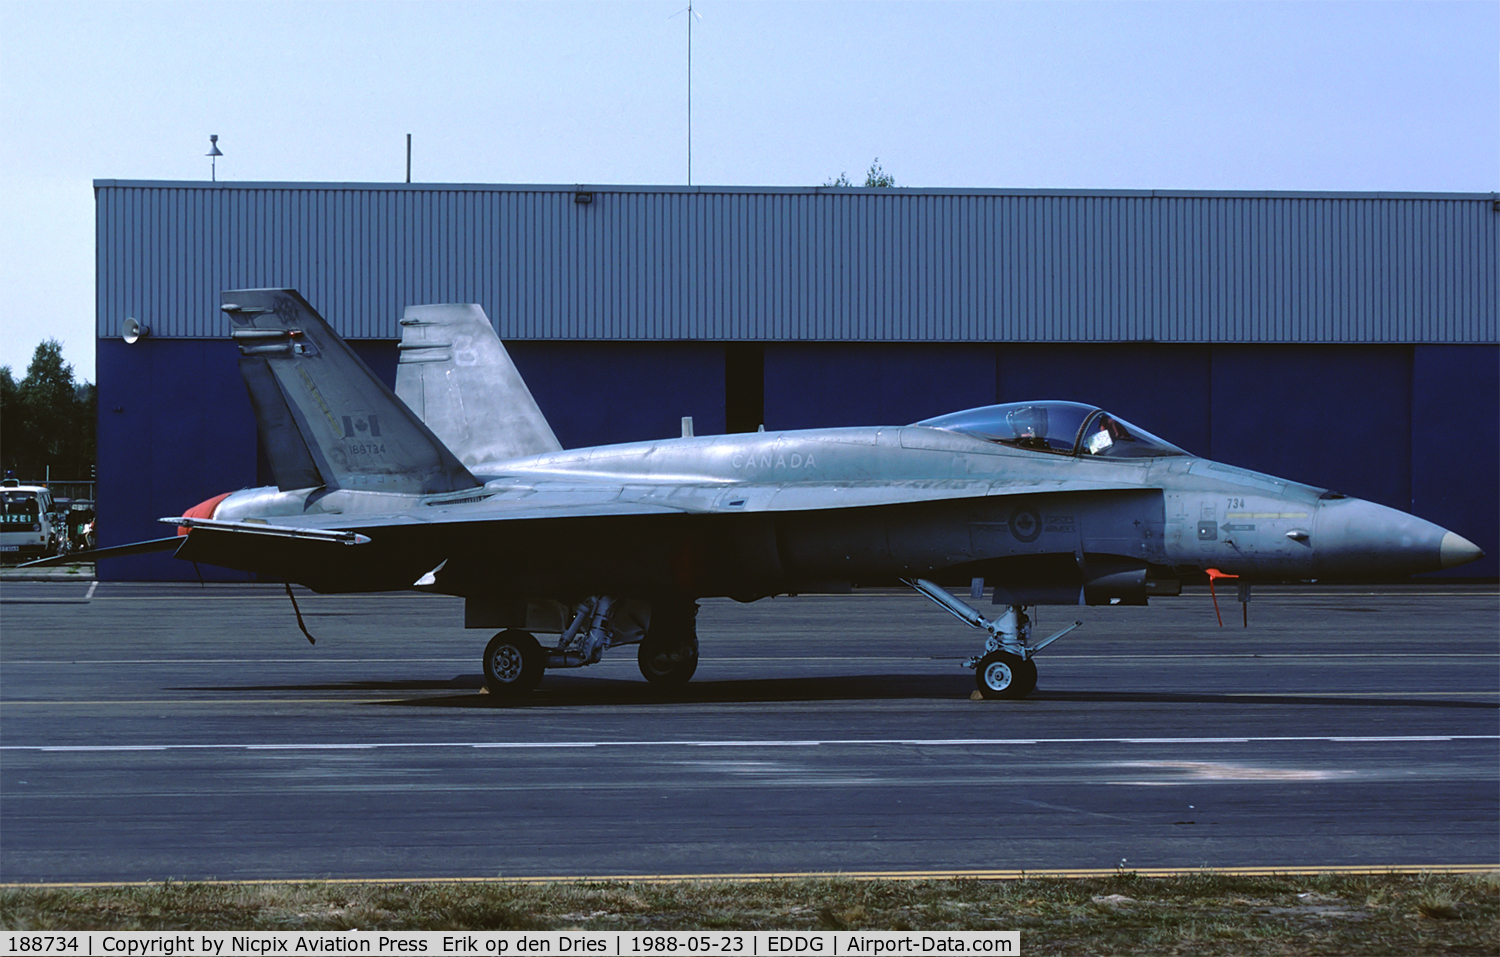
1395, 96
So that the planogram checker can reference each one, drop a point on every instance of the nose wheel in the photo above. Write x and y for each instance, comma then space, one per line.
1001, 674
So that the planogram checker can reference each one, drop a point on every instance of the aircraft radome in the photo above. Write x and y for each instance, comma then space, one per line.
455, 484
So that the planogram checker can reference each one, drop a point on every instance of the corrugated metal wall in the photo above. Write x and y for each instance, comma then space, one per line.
814, 264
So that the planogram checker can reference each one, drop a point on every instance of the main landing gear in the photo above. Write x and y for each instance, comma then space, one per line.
666, 633
1006, 669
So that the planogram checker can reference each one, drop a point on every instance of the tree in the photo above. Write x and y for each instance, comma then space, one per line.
47, 420
878, 177
875, 177
11, 432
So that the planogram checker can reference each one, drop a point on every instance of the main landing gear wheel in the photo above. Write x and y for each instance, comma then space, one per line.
513, 663
668, 664
1003, 675
668, 655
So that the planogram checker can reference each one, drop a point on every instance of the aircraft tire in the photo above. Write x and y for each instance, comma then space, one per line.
513, 663
668, 655
1003, 675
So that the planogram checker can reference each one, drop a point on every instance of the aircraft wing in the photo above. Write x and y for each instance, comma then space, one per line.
552, 501
552, 537
543, 501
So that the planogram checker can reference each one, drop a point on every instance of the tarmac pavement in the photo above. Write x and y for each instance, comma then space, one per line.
151, 731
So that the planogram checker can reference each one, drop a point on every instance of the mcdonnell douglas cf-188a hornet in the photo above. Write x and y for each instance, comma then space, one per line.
455, 484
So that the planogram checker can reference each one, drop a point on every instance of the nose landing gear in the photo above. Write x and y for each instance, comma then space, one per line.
1006, 669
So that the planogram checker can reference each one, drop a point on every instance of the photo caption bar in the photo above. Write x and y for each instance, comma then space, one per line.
827, 943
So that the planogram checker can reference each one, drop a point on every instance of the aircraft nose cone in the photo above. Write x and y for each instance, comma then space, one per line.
1357, 540
1457, 550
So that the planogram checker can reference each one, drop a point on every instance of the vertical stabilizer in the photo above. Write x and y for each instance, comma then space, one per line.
324, 418
456, 375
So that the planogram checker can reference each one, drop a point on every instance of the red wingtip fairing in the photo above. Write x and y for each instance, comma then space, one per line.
203, 509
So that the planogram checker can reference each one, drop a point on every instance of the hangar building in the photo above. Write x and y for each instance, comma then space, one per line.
1346, 340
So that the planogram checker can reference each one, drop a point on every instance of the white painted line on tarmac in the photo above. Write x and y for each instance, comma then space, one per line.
841, 659
175, 662
763, 743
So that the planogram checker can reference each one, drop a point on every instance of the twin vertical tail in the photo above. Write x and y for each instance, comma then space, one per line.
324, 418
456, 375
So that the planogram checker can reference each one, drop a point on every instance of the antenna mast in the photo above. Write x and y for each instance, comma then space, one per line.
690, 92
691, 15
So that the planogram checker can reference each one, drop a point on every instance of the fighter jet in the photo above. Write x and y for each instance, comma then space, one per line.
455, 484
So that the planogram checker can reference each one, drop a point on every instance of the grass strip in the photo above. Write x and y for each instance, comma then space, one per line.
1203, 913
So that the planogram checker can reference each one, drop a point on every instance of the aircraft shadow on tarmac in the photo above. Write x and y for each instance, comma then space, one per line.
562, 691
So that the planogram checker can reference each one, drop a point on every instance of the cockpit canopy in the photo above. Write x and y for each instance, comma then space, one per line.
1063, 428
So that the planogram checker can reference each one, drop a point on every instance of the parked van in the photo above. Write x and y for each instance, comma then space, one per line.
28, 523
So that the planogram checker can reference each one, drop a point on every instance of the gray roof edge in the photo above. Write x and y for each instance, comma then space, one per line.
802, 190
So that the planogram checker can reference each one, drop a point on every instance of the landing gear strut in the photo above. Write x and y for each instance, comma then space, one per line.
1006, 669
666, 632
